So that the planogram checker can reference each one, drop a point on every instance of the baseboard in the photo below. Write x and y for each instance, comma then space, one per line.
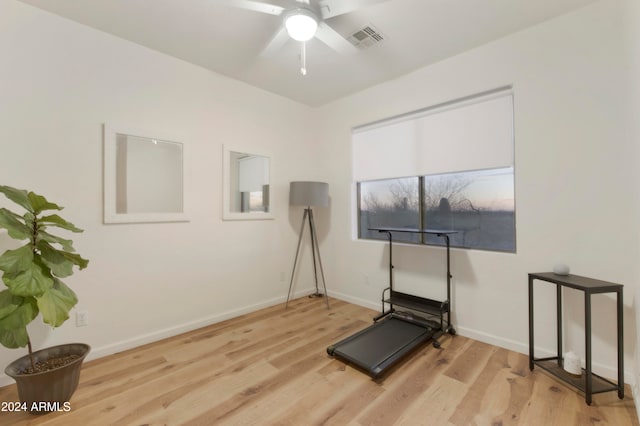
102, 351
182, 328
355, 300
513, 345
523, 348
636, 398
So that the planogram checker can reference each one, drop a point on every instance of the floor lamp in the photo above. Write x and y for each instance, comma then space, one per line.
309, 194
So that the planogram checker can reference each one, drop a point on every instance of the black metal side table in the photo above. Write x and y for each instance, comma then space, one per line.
589, 382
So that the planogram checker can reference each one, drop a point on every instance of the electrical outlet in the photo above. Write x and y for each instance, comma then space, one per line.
82, 318
282, 277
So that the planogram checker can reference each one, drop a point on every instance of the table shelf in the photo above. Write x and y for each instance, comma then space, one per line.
599, 383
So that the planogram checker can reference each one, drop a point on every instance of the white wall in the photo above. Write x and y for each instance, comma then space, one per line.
631, 27
576, 188
59, 82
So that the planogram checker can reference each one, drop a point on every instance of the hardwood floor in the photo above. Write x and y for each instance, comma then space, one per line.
271, 368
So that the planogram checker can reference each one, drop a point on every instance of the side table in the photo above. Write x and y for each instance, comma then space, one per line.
589, 382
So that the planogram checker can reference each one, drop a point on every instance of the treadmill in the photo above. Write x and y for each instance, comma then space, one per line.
395, 333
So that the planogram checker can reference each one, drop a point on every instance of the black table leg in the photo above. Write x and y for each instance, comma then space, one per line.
531, 323
620, 310
587, 343
559, 323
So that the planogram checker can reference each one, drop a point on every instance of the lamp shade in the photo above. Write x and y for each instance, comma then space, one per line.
301, 25
309, 194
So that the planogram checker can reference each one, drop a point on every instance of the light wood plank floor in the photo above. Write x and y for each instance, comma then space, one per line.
271, 368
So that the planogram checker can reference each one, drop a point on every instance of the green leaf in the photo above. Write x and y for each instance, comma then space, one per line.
18, 196
56, 220
21, 316
39, 203
14, 339
76, 259
14, 224
56, 303
66, 245
59, 261
15, 313
18, 260
55, 260
8, 303
31, 282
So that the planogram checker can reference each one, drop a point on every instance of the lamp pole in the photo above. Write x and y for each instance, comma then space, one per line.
308, 194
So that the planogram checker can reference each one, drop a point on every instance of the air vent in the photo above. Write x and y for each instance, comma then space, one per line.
366, 37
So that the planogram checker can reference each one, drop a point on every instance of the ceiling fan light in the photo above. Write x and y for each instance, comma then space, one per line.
301, 26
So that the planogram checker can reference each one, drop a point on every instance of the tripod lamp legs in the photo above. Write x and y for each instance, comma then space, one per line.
315, 250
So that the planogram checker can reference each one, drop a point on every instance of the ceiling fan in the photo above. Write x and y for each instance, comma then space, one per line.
303, 20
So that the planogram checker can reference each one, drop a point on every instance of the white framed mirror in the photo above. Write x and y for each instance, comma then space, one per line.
143, 177
246, 185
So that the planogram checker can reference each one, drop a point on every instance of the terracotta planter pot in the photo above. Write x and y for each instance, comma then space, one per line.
54, 386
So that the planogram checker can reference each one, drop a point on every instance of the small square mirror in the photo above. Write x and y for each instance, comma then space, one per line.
143, 178
246, 185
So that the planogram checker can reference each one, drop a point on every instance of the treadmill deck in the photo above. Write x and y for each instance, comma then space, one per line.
381, 345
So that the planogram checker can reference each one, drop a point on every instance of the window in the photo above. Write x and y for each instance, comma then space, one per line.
448, 166
478, 204
389, 203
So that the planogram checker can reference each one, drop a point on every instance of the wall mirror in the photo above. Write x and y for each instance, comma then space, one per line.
246, 185
143, 177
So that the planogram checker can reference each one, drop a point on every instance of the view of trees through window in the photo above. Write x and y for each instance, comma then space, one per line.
479, 205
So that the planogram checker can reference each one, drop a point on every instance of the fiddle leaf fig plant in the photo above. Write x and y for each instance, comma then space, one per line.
32, 273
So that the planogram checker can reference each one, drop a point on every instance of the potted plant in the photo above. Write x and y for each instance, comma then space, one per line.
32, 274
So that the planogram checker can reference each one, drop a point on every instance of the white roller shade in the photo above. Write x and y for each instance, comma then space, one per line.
473, 134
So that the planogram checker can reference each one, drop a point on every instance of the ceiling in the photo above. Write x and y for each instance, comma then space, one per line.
229, 40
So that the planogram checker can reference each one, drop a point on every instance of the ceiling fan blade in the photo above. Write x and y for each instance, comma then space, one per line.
331, 38
256, 6
331, 8
276, 43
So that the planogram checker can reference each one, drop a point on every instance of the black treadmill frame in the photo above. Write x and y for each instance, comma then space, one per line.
440, 309
385, 354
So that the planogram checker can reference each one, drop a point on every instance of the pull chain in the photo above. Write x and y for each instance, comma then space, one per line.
303, 59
